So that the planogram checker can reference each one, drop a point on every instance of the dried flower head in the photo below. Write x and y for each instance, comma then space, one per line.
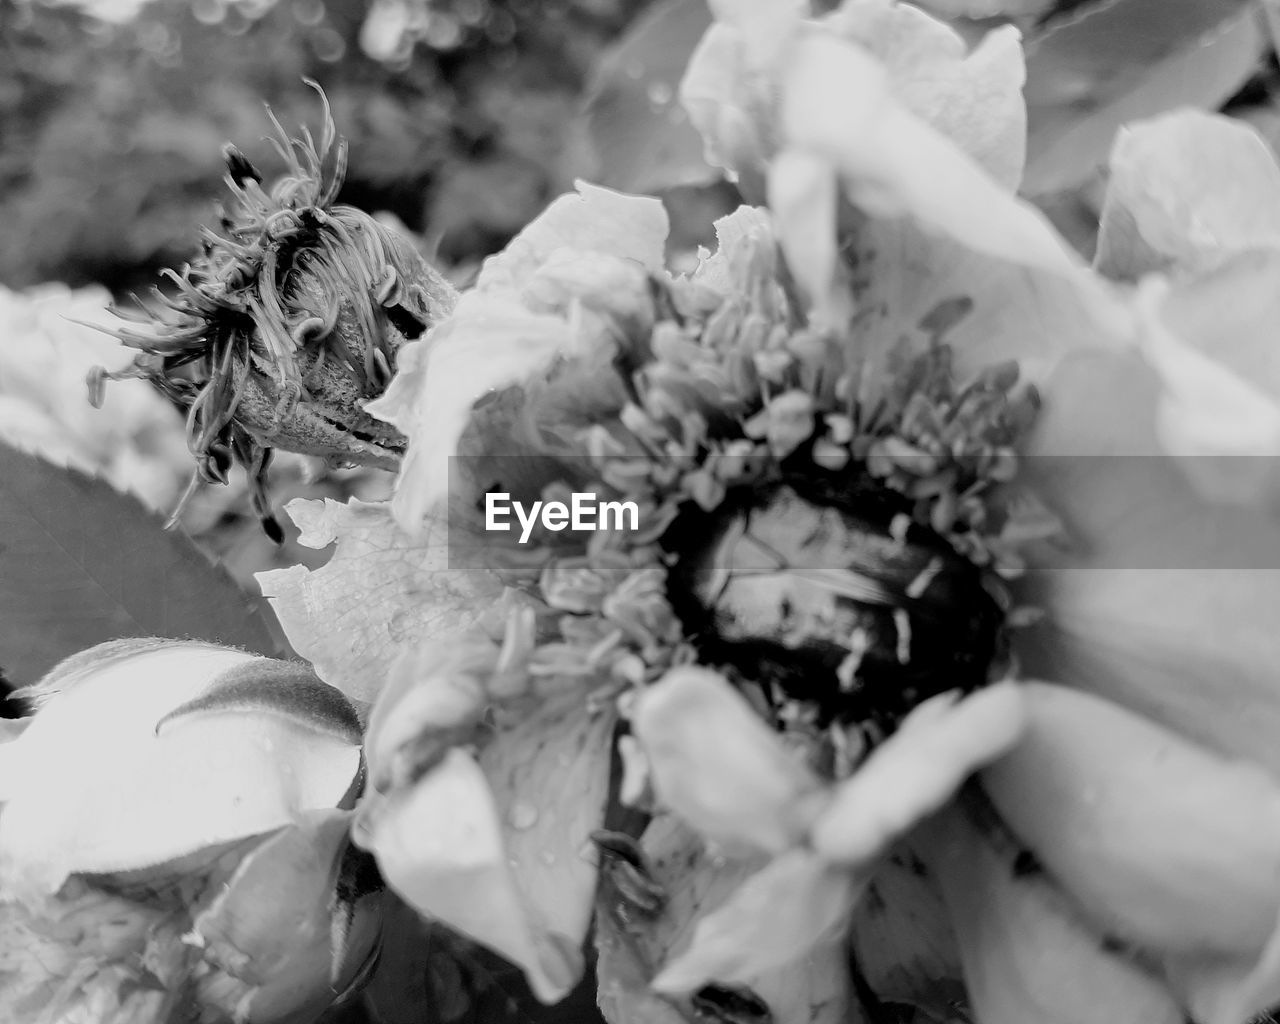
288, 321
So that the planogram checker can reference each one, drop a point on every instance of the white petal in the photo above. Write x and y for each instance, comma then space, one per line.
439, 844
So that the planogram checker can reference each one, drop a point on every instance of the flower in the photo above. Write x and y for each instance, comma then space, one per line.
857, 767
161, 790
287, 323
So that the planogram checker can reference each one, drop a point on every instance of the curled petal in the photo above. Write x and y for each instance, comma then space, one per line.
107, 778
718, 767
1163, 843
794, 904
1166, 206
917, 770
892, 162
1026, 957
439, 844
494, 339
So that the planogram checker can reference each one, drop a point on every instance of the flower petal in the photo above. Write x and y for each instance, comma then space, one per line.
894, 163
267, 934
1162, 602
95, 786
973, 98
795, 904
495, 338
1163, 843
1026, 958
811, 989
716, 765
381, 590
592, 220
439, 844
902, 939
1168, 206
917, 770
549, 774
802, 197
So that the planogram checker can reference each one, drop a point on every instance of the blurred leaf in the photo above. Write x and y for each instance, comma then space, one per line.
1126, 60
81, 563
641, 136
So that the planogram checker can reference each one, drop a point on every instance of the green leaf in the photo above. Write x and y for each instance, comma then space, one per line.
1123, 61
81, 563
641, 137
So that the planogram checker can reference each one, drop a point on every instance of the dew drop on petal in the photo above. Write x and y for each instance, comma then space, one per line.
523, 815
659, 93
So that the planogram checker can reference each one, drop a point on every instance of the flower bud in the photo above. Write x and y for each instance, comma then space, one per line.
289, 321
168, 839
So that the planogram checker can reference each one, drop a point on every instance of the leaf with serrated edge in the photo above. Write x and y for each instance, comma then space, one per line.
82, 563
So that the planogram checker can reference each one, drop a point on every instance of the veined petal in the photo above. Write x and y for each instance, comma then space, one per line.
718, 767
1164, 844
1162, 602
381, 591
796, 903
1026, 957
917, 770
549, 774
1168, 206
439, 844
903, 941
96, 784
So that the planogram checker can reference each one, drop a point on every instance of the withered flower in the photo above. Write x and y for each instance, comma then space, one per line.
288, 321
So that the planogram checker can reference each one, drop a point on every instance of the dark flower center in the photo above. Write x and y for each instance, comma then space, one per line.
826, 591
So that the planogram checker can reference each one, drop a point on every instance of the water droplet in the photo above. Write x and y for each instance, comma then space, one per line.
659, 93
523, 815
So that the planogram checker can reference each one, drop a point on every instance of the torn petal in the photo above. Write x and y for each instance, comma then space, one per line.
717, 766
